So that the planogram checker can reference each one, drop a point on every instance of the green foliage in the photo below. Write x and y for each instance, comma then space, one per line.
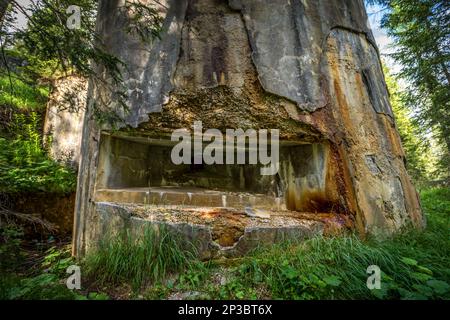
426, 287
436, 203
24, 164
94, 296
151, 256
157, 292
420, 30
52, 49
20, 95
419, 157
194, 275
324, 268
237, 289
71, 48
414, 264
32, 284
45, 280
57, 260
10, 241
44, 286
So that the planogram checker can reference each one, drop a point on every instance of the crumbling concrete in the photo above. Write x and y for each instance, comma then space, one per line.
64, 119
308, 68
213, 232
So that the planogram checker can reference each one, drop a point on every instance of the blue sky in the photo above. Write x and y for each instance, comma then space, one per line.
383, 41
375, 14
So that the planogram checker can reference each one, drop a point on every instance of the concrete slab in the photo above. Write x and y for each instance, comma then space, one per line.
181, 196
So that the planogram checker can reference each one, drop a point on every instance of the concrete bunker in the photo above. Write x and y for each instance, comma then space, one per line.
232, 201
224, 64
140, 170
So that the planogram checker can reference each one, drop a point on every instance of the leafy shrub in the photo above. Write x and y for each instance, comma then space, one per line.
25, 165
19, 94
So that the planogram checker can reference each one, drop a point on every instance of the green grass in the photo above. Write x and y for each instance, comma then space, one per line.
18, 94
414, 265
335, 268
149, 257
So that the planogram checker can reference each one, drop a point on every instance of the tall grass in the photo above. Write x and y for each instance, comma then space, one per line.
335, 268
18, 94
415, 264
137, 259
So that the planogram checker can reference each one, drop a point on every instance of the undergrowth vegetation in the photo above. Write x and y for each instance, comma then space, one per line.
33, 274
18, 94
414, 264
157, 265
25, 165
137, 259
24, 162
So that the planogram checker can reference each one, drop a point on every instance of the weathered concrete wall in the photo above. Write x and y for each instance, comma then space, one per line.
362, 111
64, 119
309, 68
132, 162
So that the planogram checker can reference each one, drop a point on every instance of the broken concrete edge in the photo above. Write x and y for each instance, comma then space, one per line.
177, 16
114, 218
170, 42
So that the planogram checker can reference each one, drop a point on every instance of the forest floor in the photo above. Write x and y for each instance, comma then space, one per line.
414, 265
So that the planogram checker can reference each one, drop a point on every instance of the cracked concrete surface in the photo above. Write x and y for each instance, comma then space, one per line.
309, 68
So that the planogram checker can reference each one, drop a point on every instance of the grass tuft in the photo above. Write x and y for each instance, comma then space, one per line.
414, 264
138, 259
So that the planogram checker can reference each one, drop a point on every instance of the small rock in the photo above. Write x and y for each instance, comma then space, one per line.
188, 295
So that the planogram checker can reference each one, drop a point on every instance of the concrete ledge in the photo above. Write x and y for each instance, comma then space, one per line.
187, 197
